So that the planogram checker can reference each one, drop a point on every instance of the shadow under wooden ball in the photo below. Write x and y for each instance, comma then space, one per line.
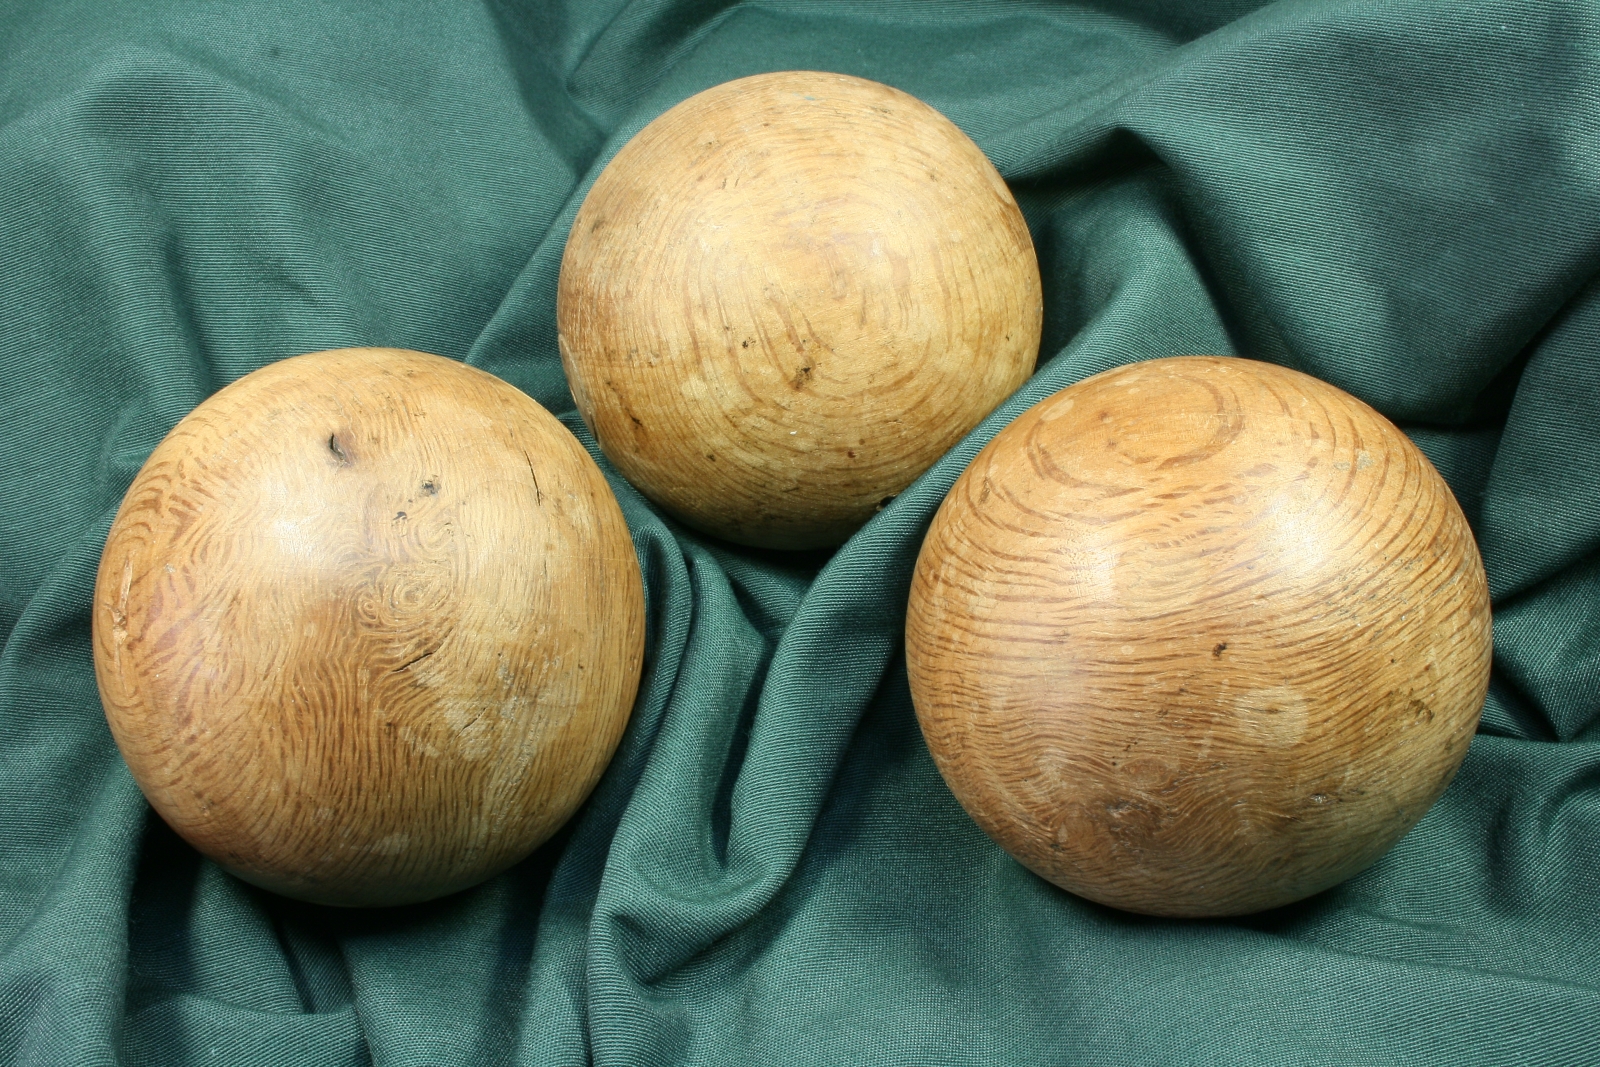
368, 626
1198, 637
787, 296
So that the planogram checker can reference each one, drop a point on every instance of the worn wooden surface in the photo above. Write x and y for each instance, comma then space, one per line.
787, 296
1198, 637
368, 626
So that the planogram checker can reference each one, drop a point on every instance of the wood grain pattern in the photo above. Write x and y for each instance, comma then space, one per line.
368, 626
787, 296
1198, 637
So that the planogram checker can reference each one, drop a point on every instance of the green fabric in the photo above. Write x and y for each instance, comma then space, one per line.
1399, 196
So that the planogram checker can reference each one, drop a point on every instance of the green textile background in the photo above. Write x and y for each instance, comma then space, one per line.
1399, 196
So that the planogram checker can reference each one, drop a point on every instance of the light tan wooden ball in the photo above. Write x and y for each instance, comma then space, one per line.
787, 296
368, 626
1198, 637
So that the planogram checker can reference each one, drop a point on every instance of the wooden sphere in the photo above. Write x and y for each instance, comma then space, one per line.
1198, 637
787, 296
368, 626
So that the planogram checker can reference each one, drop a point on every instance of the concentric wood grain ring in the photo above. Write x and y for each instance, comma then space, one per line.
1199, 636
368, 626
787, 296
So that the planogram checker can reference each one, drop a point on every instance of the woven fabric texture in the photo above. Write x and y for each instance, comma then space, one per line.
1400, 197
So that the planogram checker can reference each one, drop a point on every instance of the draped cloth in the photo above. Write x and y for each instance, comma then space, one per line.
1399, 197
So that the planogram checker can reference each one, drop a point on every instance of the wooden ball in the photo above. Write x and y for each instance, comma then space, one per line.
368, 626
787, 296
1198, 637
